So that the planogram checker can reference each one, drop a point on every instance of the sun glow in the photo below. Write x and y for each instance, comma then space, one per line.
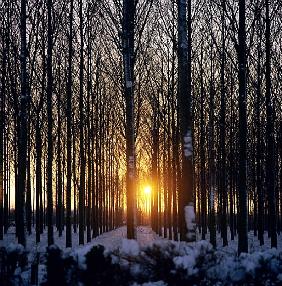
147, 190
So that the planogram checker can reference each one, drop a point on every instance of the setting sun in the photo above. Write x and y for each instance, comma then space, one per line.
147, 190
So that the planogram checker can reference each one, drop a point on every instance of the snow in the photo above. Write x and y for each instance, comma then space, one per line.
188, 148
115, 239
14, 247
189, 255
190, 221
158, 283
128, 83
145, 236
185, 262
236, 269
222, 264
110, 240
130, 247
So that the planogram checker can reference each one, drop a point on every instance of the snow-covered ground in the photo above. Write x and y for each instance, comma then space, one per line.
110, 240
253, 242
113, 240
185, 255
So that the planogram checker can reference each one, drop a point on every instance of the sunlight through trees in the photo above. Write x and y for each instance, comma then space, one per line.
163, 113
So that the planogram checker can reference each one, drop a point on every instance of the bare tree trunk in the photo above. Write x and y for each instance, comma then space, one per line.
259, 184
22, 141
74, 179
38, 148
232, 169
50, 124
212, 172
60, 186
223, 188
90, 173
69, 131
28, 209
270, 170
202, 154
128, 62
155, 150
242, 180
186, 210
81, 129
2, 125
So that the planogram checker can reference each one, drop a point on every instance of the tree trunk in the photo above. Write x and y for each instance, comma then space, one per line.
202, 153
69, 131
50, 124
242, 180
222, 177
38, 152
128, 65
186, 210
2, 125
259, 184
28, 208
22, 140
270, 170
212, 172
59, 162
81, 135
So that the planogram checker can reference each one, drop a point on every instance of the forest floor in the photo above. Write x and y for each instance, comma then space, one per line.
116, 239
113, 239
110, 240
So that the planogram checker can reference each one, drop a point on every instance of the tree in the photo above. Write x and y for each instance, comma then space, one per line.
223, 189
186, 208
242, 180
259, 156
128, 66
22, 141
50, 124
2, 124
69, 129
81, 139
270, 171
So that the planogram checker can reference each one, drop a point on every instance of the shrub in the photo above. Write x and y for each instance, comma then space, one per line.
101, 271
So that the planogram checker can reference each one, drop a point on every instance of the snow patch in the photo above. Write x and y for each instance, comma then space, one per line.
15, 247
157, 283
186, 262
188, 148
190, 255
128, 83
279, 277
130, 247
190, 222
